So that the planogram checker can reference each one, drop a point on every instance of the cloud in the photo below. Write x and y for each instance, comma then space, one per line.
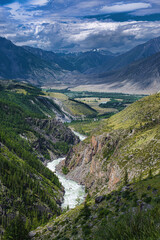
80, 35
38, 2
56, 25
4, 2
89, 4
113, 36
122, 7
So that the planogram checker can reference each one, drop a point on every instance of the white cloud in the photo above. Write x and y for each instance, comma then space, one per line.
38, 2
89, 4
122, 7
80, 35
50, 29
18, 12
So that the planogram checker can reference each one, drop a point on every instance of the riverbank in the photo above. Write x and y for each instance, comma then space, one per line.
74, 192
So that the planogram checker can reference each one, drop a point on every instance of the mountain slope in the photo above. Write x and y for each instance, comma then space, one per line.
42, 68
143, 75
18, 63
119, 165
113, 216
139, 52
28, 138
88, 62
52, 58
81, 62
45, 68
128, 141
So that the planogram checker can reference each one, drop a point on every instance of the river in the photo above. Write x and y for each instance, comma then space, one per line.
81, 137
74, 192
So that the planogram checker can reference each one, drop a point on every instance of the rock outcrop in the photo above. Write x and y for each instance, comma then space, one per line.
87, 164
123, 149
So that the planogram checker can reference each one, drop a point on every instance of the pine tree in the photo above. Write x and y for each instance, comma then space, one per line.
16, 230
126, 177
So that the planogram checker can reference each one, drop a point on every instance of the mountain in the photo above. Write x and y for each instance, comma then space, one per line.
18, 63
81, 61
57, 60
139, 52
30, 136
143, 76
135, 70
89, 61
119, 166
42, 68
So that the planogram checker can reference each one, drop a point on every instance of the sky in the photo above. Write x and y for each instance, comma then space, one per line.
74, 25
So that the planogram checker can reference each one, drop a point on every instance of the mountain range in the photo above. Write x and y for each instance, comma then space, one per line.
137, 70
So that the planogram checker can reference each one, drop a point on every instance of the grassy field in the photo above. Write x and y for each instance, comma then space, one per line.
73, 107
102, 103
57, 95
84, 127
94, 103
91, 107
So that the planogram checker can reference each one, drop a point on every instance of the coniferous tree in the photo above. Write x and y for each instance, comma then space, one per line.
16, 230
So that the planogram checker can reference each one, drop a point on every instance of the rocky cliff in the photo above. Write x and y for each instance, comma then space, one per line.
123, 149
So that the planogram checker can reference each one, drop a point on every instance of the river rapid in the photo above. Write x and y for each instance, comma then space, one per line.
74, 192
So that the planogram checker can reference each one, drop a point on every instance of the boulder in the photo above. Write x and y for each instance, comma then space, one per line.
32, 234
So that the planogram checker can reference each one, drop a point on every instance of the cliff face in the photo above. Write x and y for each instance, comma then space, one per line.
87, 165
50, 136
123, 149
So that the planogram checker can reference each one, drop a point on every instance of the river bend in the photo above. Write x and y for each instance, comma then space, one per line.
74, 192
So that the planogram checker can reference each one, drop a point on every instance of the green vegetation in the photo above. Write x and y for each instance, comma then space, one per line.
27, 188
131, 226
92, 104
129, 140
74, 108
123, 214
119, 105
128, 161
91, 107
123, 199
65, 170
79, 109
16, 230
86, 94
88, 126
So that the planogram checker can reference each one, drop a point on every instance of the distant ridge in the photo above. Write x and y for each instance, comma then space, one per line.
137, 53
20, 64
141, 75
136, 70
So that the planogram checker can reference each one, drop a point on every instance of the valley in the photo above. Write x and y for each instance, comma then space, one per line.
79, 143
135, 71
88, 105
101, 167
119, 165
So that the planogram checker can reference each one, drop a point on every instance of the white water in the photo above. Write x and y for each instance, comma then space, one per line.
74, 192
81, 137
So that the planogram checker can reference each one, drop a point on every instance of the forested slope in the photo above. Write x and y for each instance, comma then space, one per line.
29, 137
